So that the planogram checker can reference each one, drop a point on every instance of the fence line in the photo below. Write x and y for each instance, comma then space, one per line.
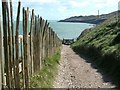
23, 56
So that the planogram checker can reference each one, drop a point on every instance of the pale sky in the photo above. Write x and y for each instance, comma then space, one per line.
61, 9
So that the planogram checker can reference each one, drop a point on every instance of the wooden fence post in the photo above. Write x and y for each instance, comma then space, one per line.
52, 40
25, 42
38, 44
21, 48
17, 79
42, 29
9, 49
40, 36
35, 46
50, 43
43, 42
23, 72
12, 29
5, 34
47, 42
28, 45
1, 58
31, 41
44, 35
55, 42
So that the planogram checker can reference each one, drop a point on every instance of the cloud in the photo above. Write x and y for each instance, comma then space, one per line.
62, 9
78, 4
47, 1
37, 1
102, 4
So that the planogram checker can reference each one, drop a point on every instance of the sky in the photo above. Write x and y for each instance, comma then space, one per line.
61, 9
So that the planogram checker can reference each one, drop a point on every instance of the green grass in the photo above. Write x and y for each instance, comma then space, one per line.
98, 43
101, 36
46, 76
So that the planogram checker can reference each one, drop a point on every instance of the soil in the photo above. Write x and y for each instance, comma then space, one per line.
75, 72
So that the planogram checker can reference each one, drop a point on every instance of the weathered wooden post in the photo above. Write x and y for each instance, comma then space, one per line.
28, 41
55, 42
17, 79
38, 44
50, 42
31, 41
1, 58
25, 43
9, 49
40, 36
21, 48
5, 34
23, 72
44, 39
35, 46
42, 29
47, 42
12, 29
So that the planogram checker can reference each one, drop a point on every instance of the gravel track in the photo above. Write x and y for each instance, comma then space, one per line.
75, 72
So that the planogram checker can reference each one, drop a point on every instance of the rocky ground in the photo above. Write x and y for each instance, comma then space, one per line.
76, 72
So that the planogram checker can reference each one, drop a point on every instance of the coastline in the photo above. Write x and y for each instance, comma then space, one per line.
94, 21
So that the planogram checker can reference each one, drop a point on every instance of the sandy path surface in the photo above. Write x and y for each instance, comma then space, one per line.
75, 72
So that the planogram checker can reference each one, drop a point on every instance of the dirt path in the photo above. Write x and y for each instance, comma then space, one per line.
75, 72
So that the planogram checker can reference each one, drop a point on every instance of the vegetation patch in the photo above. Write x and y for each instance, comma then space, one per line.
45, 77
103, 45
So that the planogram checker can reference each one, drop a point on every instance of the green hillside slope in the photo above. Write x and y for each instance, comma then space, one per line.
103, 43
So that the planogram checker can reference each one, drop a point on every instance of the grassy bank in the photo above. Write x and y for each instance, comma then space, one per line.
102, 43
46, 76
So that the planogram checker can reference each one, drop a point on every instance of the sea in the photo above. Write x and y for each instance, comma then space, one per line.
66, 30
69, 30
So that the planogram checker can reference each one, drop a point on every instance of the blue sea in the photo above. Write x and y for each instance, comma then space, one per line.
69, 30
66, 30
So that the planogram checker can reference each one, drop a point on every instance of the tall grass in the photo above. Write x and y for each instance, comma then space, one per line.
45, 77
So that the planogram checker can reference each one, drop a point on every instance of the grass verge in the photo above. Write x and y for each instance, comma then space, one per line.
45, 78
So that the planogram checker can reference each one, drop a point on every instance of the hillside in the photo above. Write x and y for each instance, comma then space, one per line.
102, 43
93, 19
